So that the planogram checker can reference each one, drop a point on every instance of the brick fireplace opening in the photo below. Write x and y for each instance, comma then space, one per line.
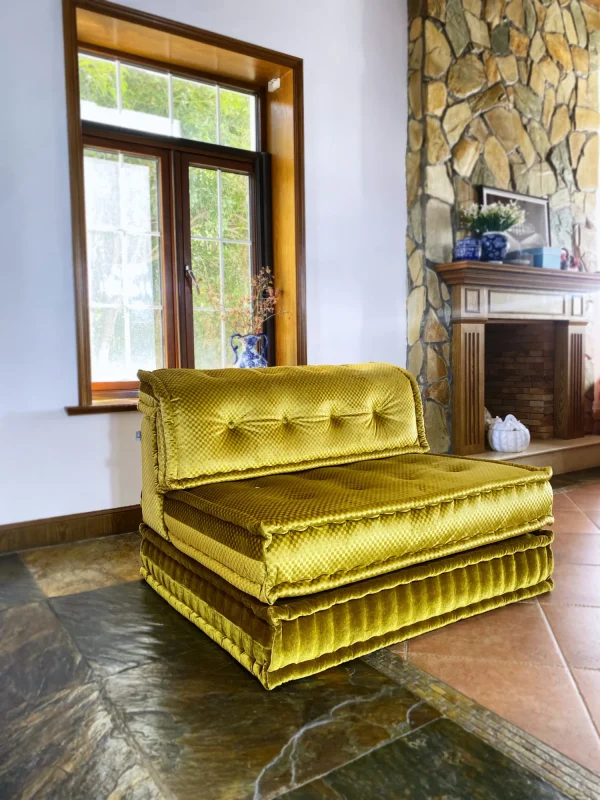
519, 374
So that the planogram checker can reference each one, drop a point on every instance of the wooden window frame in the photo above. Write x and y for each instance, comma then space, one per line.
126, 391
174, 156
183, 161
190, 74
243, 66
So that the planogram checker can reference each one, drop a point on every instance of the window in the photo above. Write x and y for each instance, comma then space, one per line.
124, 251
220, 255
116, 93
170, 217
166, 124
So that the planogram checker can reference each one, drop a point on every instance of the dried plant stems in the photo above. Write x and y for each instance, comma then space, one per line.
249, 313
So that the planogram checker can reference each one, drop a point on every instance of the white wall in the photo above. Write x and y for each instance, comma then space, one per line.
354, 55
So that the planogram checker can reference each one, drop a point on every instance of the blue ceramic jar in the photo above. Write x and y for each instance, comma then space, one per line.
494, 247
468, 249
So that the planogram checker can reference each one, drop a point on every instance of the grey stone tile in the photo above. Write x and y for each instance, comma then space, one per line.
123, 626
69, 746
202, 708
440, 760
37, 656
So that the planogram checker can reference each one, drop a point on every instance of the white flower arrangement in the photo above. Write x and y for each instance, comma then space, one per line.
496, 217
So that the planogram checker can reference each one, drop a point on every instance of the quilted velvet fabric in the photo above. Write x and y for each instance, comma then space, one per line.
302, 636
152, 501
300, 533
220, 425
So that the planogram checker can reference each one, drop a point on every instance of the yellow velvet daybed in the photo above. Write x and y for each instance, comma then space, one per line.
295, 515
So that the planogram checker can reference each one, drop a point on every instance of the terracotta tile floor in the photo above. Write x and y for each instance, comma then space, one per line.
537, 664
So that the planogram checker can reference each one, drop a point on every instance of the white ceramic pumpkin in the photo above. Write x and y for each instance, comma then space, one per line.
508, 436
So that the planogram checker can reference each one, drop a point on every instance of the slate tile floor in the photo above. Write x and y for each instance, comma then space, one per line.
537, 663
108, 692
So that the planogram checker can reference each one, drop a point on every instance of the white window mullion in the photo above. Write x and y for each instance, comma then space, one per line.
218, 115
171, 121
119, 95
218, 239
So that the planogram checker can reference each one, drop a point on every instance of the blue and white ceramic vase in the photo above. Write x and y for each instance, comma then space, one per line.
494, 247
468, 249
250, 350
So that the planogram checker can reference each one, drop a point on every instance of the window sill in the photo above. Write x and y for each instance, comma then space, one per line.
103, 407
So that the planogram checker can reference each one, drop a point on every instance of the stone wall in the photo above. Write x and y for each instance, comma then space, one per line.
501, 94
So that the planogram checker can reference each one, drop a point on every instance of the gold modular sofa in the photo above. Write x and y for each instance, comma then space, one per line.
296, 516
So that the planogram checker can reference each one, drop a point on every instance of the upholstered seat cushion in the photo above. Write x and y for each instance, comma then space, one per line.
304, 635
296, 534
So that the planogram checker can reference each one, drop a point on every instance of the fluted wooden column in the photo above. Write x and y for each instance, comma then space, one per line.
468, 364
569, 367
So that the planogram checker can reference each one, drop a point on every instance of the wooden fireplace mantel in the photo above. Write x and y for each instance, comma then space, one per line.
483, 293
507, 292
517, 277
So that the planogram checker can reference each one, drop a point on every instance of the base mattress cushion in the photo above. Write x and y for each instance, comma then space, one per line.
301, 636
300, 533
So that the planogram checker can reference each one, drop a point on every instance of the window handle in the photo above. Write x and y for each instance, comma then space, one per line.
189, 273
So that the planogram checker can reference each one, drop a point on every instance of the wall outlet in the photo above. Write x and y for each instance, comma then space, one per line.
138, 436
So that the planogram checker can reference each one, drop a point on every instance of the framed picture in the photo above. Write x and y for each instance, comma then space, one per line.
535, 231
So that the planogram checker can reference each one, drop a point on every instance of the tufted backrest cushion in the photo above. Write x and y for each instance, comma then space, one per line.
217, 425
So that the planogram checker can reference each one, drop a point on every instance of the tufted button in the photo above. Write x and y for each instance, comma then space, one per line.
231, 424
285, 419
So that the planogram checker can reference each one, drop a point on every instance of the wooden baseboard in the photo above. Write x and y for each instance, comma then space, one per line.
70, 528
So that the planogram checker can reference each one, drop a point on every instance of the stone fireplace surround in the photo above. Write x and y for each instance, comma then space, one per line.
502, 293
505, 95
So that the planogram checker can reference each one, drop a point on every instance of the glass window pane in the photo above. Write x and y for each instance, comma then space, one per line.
101, 179
236, 268
98, 88
108, 345
141, 270
145, 336
235, 198
207, 269
139, 194
238, 119
223, 265
159, 102
124, 248
207, 340
104, 266
204, 202
194, 110
145, 100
